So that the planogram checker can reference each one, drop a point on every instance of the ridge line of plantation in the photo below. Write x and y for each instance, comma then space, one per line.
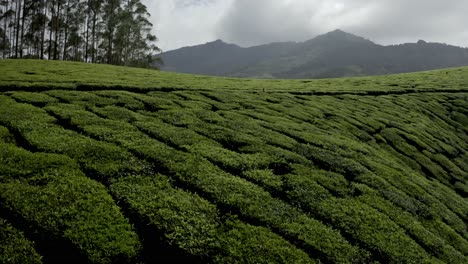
90, 88
39, 75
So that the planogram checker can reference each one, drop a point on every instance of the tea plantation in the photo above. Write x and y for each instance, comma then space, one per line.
106, 164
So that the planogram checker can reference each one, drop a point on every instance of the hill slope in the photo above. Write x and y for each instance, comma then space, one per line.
335, 54
105, 164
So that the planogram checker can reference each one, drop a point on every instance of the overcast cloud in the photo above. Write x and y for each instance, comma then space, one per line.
181, 23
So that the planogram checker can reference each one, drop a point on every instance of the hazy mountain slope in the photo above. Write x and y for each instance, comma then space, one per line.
335, 54
218, 57
300, 57
359, 59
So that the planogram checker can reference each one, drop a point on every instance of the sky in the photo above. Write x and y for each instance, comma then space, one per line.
180, 23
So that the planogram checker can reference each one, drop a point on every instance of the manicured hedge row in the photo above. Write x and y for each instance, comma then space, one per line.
186, 221
275, 161
229, 192
425, 236
14, 247
39, 131
6, 136
390, 113
81, 97
59, 206
252, 202
193, 225
38, 99
414, 193
171, 137
374, 230
244, 243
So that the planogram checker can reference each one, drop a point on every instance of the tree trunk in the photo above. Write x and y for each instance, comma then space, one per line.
44, 10
12, 34
52, 26
18, 18
5, 30
22, 28
57, 29
65, 42
93, 51
87, 39
109, 48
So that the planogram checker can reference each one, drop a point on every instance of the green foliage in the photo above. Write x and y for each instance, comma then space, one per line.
117, 32
15, 248
219, 171
244, 243
185, 219
376, 231
6, 136
40, 131
50, 75
423, 235
54, 197
39, 99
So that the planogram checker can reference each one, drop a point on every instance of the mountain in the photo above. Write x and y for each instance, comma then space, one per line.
334, 54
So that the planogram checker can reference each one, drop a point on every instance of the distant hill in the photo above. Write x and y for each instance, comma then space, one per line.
335, 54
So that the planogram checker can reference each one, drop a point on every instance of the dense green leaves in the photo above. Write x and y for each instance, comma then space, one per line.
51, 196
15, 248
154, 169
113, 31
185, 219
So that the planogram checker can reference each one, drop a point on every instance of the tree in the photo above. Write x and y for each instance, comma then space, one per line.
136, 40
5, 16
111, 15
95, 11
18, 19
98, 31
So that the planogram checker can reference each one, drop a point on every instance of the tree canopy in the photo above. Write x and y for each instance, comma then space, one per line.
97, 31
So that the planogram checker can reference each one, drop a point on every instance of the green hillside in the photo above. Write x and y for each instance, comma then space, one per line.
106, 164
334, 54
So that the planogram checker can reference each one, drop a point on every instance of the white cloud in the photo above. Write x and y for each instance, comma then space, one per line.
185, 22
249, 22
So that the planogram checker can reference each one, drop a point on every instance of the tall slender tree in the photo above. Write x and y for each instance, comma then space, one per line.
111, 20
43, 14
98, 31
18, 19
5, 15
95, 7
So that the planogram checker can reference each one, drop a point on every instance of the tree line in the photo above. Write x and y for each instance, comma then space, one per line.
96, 31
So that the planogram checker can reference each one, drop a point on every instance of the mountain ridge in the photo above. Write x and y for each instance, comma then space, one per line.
334, 54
